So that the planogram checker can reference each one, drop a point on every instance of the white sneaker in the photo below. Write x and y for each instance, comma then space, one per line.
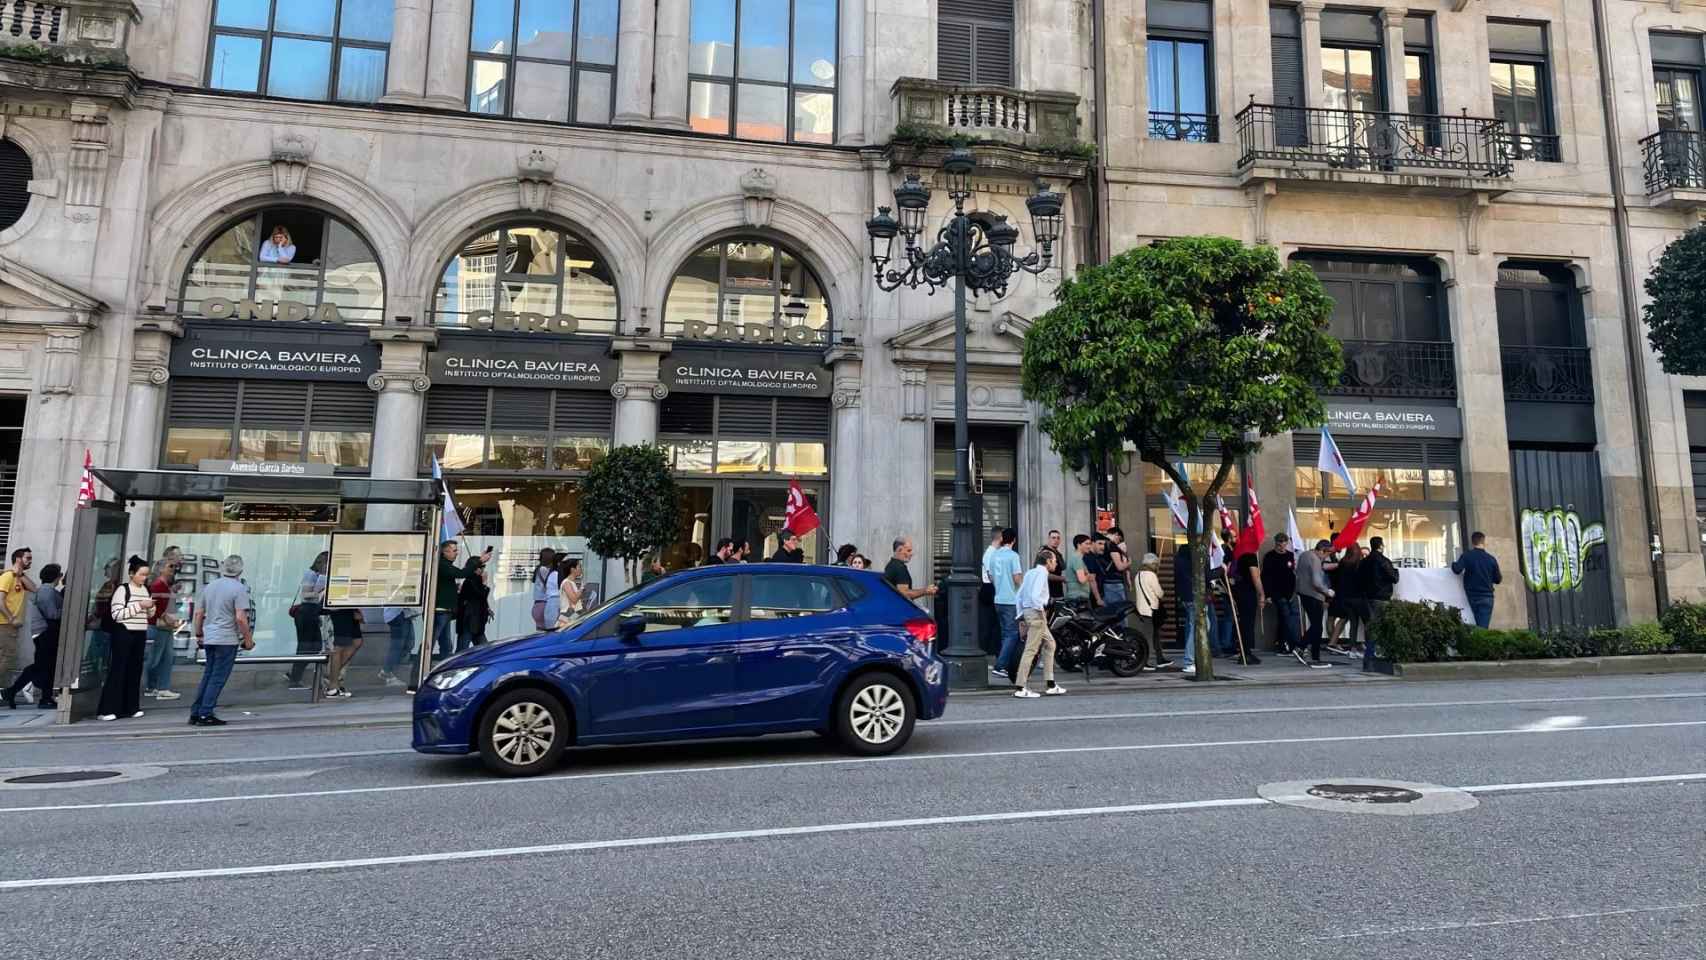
28, 694
107, 716
1189, 670
1026, 693
149, 692
392, 681
136, 714
1054, 690
167, 695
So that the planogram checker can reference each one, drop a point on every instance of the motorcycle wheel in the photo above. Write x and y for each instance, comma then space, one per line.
1132, 655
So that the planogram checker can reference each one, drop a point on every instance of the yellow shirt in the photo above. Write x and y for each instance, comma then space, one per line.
15, 596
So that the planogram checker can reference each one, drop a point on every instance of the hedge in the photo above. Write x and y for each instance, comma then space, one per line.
1428, 632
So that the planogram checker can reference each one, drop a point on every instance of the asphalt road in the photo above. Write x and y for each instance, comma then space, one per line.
1109, 826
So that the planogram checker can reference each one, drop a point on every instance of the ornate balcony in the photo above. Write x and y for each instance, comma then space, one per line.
1453, 154
1398, 368
1190, 127
91, 32
1547, 374
1675, 165
1032, 133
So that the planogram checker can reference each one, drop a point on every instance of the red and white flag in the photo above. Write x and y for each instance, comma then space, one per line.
801, 519
86, 489
1251, 537
1353, 527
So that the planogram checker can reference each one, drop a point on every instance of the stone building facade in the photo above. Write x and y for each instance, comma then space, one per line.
688, 180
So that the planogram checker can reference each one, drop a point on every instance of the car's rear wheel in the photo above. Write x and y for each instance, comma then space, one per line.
523, 733
875, 715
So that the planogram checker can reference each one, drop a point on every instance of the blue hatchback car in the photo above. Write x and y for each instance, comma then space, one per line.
717, 651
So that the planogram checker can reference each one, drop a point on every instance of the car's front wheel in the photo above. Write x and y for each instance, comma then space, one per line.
523, 733
875, 715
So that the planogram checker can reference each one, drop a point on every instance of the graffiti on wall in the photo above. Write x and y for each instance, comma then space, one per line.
1555, 548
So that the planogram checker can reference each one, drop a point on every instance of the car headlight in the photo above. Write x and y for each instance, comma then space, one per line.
451, 678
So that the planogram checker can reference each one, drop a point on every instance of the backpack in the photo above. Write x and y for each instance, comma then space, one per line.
108, 624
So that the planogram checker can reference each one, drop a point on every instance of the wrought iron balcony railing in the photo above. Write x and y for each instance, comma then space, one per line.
1373, 141
1192, 127
1398, 368
1674, 160
1548, 374
1533, 146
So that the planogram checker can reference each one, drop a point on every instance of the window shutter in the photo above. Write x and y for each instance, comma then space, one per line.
686, 414
524, 411
801, 419
994, 51
745, 416
456, 410
274, 403
201, 403
341, 406
953, 52
1289, 127
584, 413
16, 172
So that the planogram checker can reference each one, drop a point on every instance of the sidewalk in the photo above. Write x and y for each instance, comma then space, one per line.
1274, 671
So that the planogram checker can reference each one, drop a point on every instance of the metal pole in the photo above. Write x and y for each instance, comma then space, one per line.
423, 663
967, 665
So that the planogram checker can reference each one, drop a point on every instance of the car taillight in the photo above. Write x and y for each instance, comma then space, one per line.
923, 632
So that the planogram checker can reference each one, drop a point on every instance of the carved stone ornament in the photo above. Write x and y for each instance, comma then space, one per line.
845, 398
622, 389
86, 181
62, 358
535, 172
290, 153
914, 401
416, 382
758, 188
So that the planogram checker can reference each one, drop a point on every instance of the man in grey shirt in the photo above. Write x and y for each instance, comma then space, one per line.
1315, 593
221, 626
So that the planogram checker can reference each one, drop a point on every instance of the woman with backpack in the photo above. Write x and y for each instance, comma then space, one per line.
129, 610
545, 590
473, 607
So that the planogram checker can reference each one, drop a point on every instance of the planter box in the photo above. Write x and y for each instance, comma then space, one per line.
1574, 667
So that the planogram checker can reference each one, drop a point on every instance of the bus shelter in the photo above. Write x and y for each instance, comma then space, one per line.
371, 542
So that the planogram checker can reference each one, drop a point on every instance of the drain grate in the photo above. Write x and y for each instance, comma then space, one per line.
65, 776
1363, 793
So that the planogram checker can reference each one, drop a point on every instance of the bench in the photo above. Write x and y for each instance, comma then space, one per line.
319, 660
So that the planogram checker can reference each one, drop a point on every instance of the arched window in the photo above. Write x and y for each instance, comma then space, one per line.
733, 284
303, 49
16, 171
535, 269
289, 255
543, 61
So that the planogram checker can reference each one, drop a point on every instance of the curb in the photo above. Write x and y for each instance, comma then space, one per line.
1542, 669
79, 731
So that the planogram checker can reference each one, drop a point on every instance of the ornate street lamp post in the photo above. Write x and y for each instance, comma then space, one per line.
975, 253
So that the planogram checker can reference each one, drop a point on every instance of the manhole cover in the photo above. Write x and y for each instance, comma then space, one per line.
1400, 798
1363, 793
70, 778
65, 776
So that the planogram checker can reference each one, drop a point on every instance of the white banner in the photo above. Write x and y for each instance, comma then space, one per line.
1438, 584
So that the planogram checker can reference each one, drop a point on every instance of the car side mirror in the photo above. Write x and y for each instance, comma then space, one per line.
630, 626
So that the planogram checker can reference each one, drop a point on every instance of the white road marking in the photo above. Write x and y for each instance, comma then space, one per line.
839, 761
1565, 784
1316, 708
1474, 924
1555, 723
314, 866
1037, 718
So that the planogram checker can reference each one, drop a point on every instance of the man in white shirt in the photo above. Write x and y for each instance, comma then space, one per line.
1033, 613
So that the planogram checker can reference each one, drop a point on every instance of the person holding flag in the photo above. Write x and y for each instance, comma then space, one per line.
798, 520
448, 589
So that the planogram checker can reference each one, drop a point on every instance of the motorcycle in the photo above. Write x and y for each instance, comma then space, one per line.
1086, 637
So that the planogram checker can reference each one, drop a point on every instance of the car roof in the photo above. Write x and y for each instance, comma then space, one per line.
821, 569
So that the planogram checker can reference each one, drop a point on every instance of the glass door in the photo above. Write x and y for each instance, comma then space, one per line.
1677, 94
95, 570
696, 527
757, 513
1352, 83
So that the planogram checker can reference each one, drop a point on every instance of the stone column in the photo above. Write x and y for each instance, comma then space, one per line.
1392, 25
406, 66
669, 63
1275, 482
1123, 24
850, 75
447, 54
847, 448
1310, 16
639, 390
1488, 501
402, 384
144, 406
189, 42
634, 63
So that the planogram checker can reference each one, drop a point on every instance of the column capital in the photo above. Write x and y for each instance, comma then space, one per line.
1393, 16
638, 390
1311, 9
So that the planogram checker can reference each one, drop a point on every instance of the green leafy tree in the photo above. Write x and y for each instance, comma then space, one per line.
1169, 344
628, 505
1677, 304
